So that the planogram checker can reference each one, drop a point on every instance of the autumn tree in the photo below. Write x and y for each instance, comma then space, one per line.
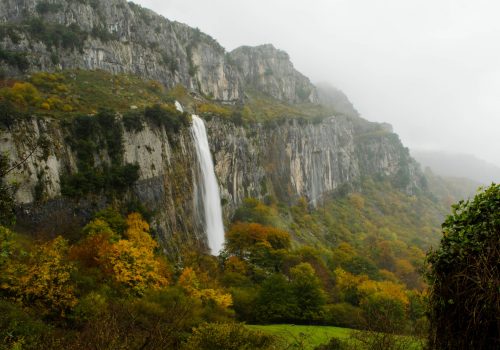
131, 261
189, 281
44, 280
263, 246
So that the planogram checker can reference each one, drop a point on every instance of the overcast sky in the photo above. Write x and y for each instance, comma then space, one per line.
431, 68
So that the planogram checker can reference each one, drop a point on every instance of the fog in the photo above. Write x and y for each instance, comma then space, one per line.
431, 68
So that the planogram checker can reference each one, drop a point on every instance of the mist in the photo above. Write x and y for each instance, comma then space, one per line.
429, 68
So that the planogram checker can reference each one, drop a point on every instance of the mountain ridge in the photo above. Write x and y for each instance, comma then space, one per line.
122, 37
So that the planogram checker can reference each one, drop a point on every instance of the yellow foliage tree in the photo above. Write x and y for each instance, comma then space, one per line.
134, 266
388, 289
189, 281
138, 232
44, 280
22, 94
132, 262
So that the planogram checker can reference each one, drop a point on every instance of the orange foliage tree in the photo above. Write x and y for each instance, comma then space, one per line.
130, 261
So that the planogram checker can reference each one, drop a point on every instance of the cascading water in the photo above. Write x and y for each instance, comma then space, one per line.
208, 189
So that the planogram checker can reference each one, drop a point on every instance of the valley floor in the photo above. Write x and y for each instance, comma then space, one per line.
307, 336
310, 337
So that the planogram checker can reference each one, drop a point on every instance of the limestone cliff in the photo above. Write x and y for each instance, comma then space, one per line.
288, 160
121, 37
270, 71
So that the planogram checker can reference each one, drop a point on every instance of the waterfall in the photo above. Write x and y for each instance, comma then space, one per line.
207, 189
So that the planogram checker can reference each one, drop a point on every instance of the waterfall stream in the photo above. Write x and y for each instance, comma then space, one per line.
207, 189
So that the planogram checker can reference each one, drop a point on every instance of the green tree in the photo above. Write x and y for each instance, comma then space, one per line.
7, 215
464, 275
276, 301
264, 246
307, 291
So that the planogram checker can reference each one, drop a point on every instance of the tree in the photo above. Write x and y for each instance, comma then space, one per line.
261, 245
7, 214
189, 281
306, 288
464, 276
44, 280
130, 262
275, 301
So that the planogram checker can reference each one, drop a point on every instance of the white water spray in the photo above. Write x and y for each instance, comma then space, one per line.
209, 189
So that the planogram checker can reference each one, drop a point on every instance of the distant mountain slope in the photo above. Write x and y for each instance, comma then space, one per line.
335, 98
458, 165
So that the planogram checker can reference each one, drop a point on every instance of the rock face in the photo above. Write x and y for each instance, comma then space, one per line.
121, 37
296, 159
270, 71
287, 161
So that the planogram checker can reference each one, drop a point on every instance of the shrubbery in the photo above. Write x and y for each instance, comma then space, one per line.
57, 35
228, 336
16, 59
464, 275
133, 121
89, 136
47, 7
167, 116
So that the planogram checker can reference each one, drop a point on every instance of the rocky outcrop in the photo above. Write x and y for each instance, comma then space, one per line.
303, 159
118, 37
330, 96
270, 71
121, 37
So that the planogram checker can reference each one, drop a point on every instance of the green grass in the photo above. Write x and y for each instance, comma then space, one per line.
74, 92
262, 108
308, 336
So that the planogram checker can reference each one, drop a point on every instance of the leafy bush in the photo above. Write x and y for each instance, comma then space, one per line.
112, 180
333, 344
228, 336
167, 116
344, 315
18, 328
47, 7
102, 33
57, 35
463, 275
11, 32
7, 204
170, 62
89, 136
16, 59
8, 114
211, 109
133, 121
